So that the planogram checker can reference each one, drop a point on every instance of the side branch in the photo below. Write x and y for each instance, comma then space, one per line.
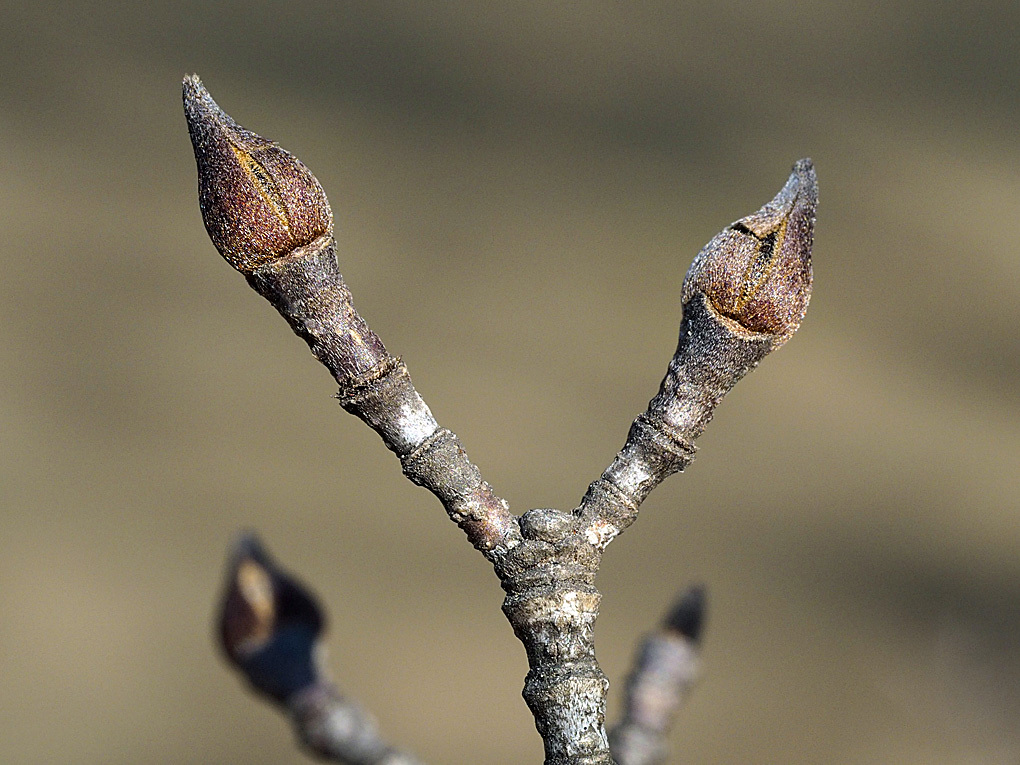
743, 297
664, 672
269, 218
709, 360
432, 456
270, 630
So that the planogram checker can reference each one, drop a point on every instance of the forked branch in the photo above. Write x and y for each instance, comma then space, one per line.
743, 297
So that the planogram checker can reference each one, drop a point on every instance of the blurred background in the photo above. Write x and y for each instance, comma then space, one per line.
518, 189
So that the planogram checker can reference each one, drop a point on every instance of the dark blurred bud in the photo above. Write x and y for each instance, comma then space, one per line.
269, 623
258, 201
757, 272
688, 614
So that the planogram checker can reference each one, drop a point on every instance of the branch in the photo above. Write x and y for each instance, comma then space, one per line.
270, 630
269, 218
743, 297
663, 675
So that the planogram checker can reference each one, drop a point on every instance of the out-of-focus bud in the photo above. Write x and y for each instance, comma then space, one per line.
258, 201
269, 623
757, 271
687, 617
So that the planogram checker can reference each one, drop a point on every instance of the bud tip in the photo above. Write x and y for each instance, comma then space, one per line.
259, 203
687, 617
269, 624
756, 273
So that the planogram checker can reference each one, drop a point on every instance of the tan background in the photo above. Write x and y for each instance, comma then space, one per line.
519, 189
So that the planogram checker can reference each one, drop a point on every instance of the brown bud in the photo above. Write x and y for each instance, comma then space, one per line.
757, 271
261, 600
687, 617
258, 201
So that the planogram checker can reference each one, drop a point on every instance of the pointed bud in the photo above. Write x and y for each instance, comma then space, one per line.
757, 271
688, 614
269, 623
258, 201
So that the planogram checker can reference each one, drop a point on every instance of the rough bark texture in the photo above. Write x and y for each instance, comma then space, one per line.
552, 604
709, 360
308, 291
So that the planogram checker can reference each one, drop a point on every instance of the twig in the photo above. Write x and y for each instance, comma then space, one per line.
662, 677
270, 630
269, 217
743, 297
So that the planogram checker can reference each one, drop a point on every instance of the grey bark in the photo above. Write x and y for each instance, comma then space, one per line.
333, 727
664, 672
